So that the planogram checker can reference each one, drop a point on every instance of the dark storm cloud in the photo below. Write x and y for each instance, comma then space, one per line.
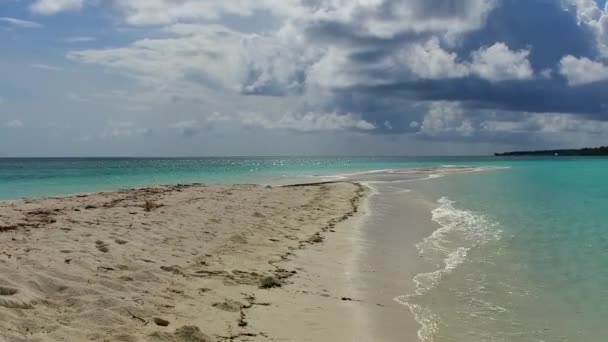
550, 96
543, 27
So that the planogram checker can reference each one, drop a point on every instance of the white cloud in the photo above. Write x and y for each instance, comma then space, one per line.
301, 122
587, 10
499, 63
123, 129
307, 122
293, 60
20, 23
15, 124
590, 14
210, 55
495, 63
279, 63
155, 12
186, 128
333, 70
558, 123
430, 61
47, 7
550, 123
300, 62
1, 100
579, 71
446, 119
45, 67
414, 16
72, 96
79, 39
185, 124
547, 73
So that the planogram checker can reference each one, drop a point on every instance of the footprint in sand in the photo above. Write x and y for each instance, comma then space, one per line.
185, 333
161, 322
8, 291
102, 246
7, 301
229, 305
238, 238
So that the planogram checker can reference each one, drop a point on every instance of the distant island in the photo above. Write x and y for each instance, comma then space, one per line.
596, 151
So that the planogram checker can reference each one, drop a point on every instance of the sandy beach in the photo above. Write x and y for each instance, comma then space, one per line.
173, 263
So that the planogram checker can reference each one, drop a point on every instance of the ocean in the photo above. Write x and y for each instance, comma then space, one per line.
35, 177
521, 253
524, 254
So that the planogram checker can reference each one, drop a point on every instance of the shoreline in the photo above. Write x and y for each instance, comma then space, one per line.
317, 261
361, 176
353, 280
322, 302
337, 278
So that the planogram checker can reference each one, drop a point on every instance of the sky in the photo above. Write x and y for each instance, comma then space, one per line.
301, 77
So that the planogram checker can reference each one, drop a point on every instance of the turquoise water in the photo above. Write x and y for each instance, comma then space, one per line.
522, 255
525, 254
21, 178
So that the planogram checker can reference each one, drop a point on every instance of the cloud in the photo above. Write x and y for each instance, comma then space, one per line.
45, 67
187, 128
15, 124
345, 21
75, 97
20, 23
79, 39
442, 69
48, 7
307, 122
579, 71
210, 55
450, 121
549, 123
499, 63
595, 18
158, 12
560, 123
124, 129
445, 118
429, 60
494, 63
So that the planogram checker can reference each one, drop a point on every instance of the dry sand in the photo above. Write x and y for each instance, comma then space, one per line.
175, 263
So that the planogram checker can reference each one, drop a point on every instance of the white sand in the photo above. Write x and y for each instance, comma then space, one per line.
103, 267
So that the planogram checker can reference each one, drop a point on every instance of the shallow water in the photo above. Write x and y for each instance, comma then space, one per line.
21, 178
521, 254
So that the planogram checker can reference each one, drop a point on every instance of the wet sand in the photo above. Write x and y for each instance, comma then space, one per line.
350, 289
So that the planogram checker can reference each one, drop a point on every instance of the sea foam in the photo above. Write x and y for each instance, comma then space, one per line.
460, 231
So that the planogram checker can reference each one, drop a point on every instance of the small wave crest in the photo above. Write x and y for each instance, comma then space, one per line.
410, 174
460, 231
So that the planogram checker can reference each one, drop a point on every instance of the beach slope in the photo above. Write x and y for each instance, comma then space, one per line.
172, 263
